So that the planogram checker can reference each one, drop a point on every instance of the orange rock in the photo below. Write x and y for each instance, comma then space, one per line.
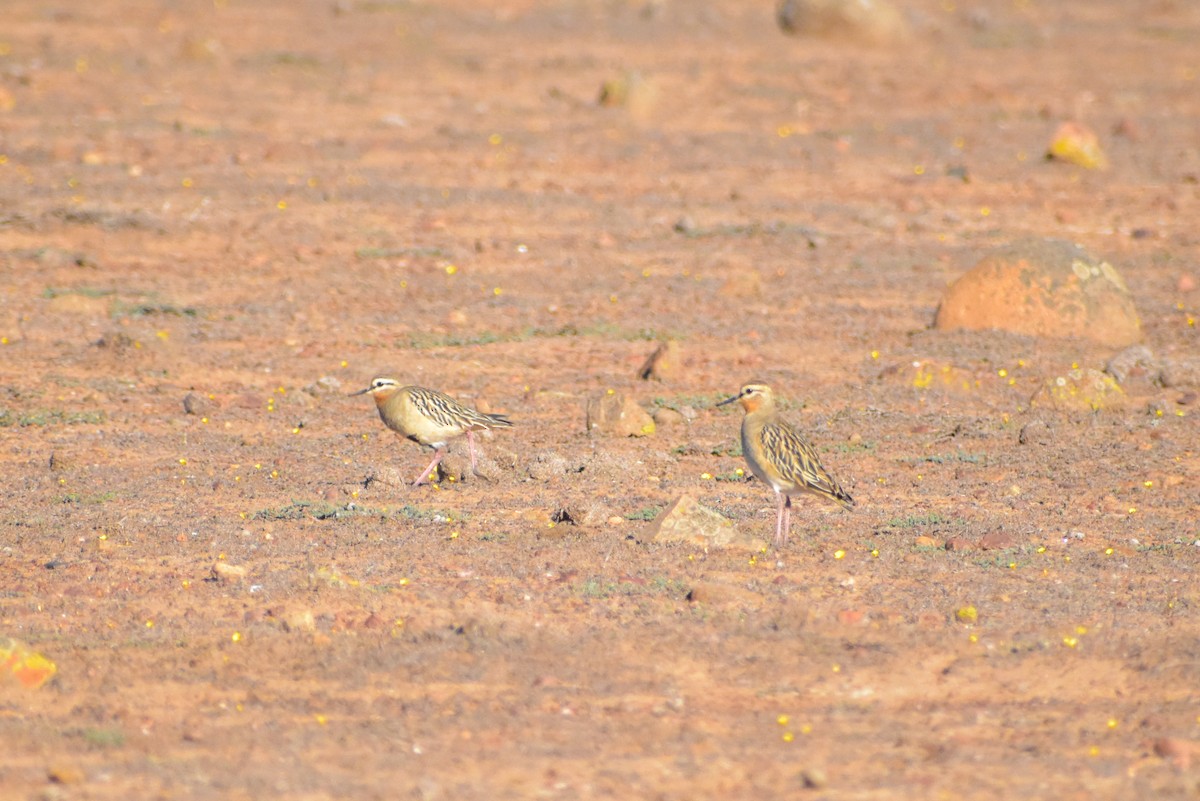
1043, 287
997, 541
849, 617
28, 667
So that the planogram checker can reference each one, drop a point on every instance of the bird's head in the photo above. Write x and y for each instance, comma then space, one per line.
381, 387
752, 397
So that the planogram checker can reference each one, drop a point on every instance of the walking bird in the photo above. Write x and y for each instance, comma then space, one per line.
429, 417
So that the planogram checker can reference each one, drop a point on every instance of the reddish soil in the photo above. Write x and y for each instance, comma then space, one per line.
218, 219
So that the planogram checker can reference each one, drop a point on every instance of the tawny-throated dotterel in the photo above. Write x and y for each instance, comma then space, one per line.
780, 457
429, 417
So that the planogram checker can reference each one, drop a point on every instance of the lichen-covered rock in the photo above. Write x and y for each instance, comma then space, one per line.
1077, 144
687, 521
1082, 389
1043, 287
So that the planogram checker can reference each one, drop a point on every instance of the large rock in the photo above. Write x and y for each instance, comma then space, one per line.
687, 521
619, 415
1043, 287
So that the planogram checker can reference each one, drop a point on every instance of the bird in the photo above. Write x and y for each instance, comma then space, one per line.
429, 417
779, 456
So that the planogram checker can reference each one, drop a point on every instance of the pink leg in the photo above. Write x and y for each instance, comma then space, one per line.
787, 518
471, 448
780, 515
437, 458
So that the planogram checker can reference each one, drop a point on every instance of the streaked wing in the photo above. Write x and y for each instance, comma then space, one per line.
797, 462
446, 411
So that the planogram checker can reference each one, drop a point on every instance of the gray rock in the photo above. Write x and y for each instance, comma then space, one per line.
1181, 373
685, 520
1136, 361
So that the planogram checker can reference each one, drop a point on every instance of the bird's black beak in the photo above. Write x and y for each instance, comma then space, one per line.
360, 392
729, 400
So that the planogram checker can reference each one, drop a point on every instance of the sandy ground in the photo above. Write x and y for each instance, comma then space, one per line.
218, 219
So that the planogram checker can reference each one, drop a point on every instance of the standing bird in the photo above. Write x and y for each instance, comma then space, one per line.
779, 456
429, 417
